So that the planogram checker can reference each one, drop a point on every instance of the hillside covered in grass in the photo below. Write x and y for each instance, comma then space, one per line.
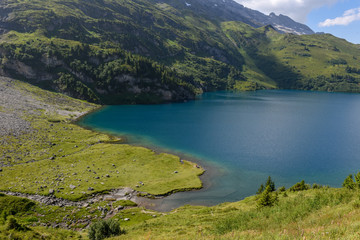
300, 212
43, 152
144, 51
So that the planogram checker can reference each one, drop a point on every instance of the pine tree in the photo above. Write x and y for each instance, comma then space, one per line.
267, 199
261, 189
270, 183
349, 182
357, 180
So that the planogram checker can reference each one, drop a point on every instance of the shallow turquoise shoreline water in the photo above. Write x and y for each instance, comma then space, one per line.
290, 135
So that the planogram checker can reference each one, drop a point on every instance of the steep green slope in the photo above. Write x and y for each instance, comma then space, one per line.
95, 50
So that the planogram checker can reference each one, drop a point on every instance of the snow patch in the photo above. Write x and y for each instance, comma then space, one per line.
288, 30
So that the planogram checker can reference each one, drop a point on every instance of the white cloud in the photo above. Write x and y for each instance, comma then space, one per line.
296, 9
348, 17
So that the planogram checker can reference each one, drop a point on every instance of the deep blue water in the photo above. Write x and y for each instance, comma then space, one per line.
247, 136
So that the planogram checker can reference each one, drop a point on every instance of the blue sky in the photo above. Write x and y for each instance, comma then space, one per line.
338, 17
350, 32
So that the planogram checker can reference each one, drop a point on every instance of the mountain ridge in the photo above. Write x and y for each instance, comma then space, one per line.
143, 51
230, 10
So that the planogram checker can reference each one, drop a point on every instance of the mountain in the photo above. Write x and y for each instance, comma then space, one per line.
229, 10
151, 51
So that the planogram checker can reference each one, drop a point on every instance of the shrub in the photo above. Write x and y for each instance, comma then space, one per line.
269, 183
12, 224
261, 189
267, 199
349, 182
14, 205
300, 186
316, 186
104, 229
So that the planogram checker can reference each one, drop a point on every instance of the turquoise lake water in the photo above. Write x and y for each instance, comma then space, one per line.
244, 137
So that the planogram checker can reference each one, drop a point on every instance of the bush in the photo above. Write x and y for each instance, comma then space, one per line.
300, 186
12, 224
104, 229
261, 189
13, 205
267, 199
269, 183
349, 182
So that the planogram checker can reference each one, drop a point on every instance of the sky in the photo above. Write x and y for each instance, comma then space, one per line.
338, 17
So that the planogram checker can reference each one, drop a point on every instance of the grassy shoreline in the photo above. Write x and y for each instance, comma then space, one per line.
58, 144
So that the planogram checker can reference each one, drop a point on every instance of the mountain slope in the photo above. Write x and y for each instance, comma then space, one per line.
142, 51
229, 10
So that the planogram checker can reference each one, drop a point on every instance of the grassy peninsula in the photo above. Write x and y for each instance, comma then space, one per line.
44, 154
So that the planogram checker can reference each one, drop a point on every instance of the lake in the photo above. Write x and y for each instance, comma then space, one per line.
243, 137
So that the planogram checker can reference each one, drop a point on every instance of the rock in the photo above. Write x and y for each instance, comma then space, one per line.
154, 216
175, 171
76, 146
90, 189
52, 158
120, 208
51, 191
126, 219
97, 177
107, 175
110, 199
72, 187
1, 170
